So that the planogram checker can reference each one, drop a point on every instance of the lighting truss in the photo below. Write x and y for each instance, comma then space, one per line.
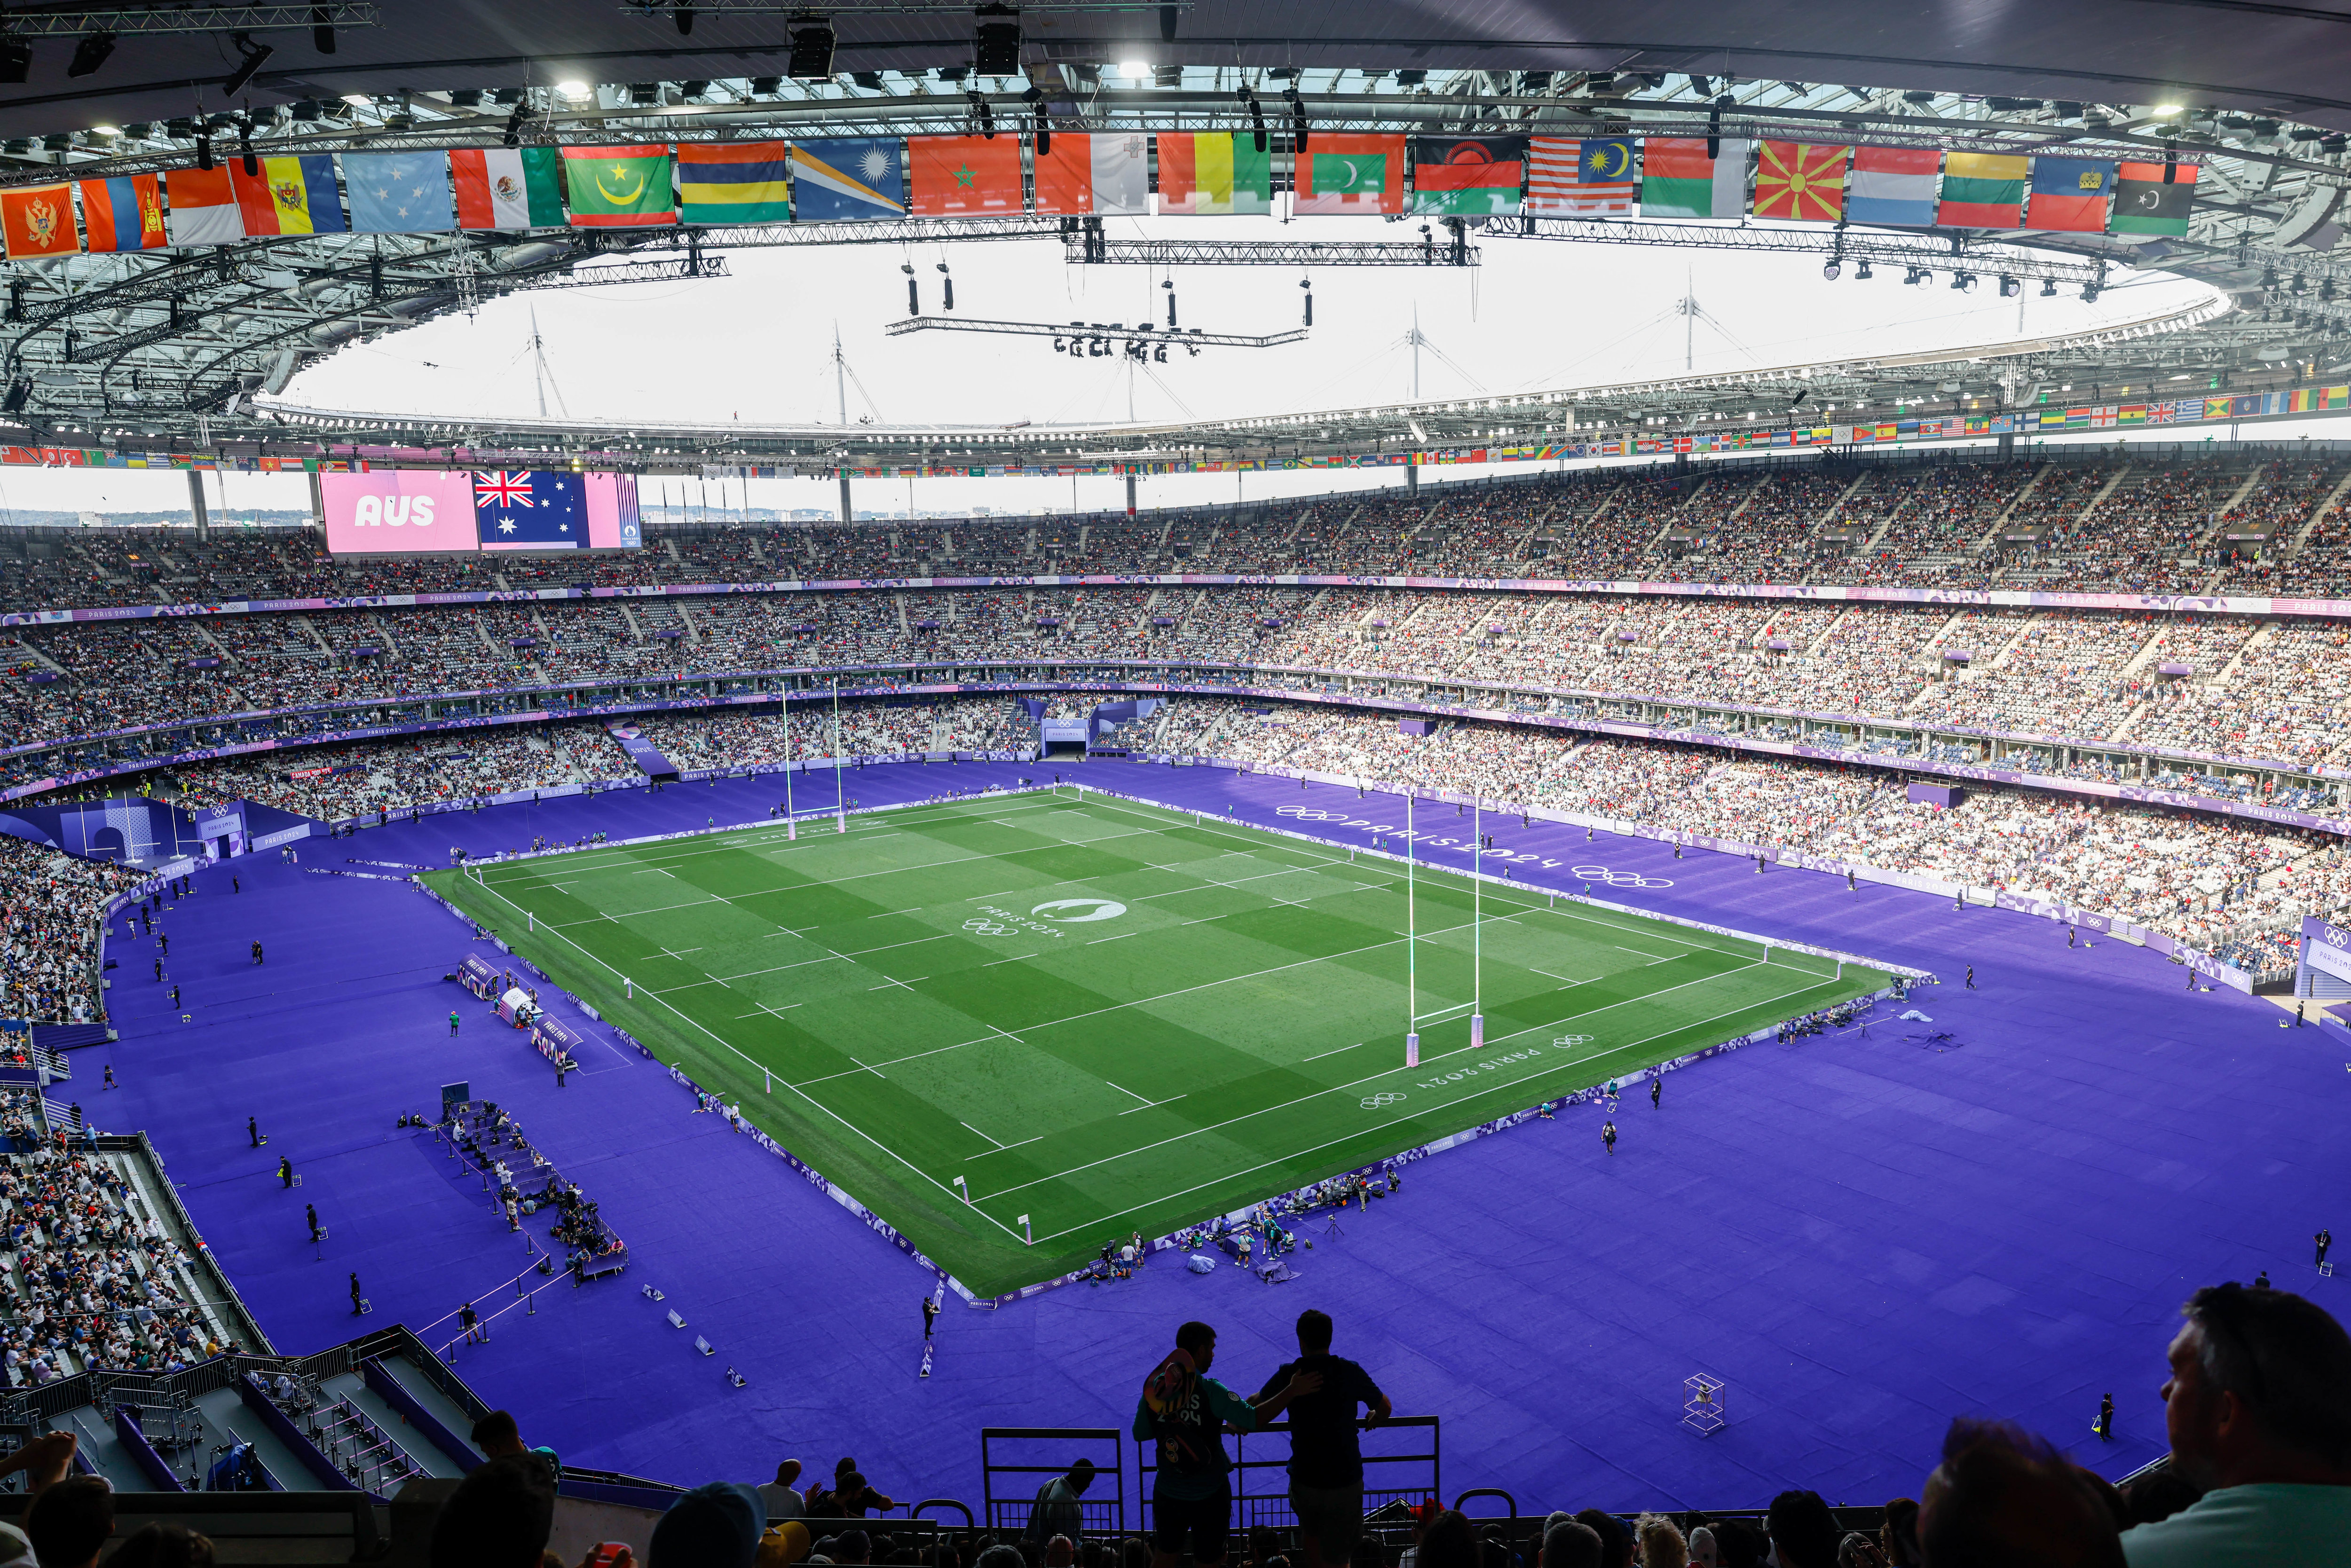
799, 9
1094, 247
129, 21
1141, 332
664, 271
1935, 254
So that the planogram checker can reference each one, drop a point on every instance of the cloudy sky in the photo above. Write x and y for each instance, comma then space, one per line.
758, 345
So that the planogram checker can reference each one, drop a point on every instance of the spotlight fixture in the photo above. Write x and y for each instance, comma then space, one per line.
1296, 119
2048, 288
1963, 283
1861, 273
2010, 287
2089, 293
91, 54
983, 114
322, 30
255, 55
1256, 117
995, 51
765, 87
683, 15
1832, 269
15, 59
1913, 277
811, 56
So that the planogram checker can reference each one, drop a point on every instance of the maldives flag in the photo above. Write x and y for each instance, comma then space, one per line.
965, 176
39, 221
1468, 177
124, 212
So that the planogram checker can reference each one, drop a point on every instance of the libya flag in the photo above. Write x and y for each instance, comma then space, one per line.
2145, 204
619, 187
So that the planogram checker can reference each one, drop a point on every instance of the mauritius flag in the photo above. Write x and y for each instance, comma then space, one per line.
620, 187
1468, 177
733, 181
525, 510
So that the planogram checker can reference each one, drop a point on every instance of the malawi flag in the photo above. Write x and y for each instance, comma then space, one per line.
1207, 173
619, 187
734, 182
2070, 194
1800, 180
2146, 203
965, 176
1468, 177
1982, 191
1341, 173
1679, 180
39, 221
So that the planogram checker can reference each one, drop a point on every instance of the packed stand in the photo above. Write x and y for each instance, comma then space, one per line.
52, 906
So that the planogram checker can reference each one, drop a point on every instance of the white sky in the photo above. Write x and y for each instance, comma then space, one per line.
758, 345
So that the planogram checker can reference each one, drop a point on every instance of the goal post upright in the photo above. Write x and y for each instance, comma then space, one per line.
1477, 923
791, 822
840, 795
1411, 970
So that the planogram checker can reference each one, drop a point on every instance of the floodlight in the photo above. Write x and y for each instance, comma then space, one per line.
2011, 287
1134, 70
2048, 288
1861, 273
91, 54
255, 55
15, 59
1832, 269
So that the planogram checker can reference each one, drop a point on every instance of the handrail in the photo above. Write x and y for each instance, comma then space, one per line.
964, 1509
1486, 1491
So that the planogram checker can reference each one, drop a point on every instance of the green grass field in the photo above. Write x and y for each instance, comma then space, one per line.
1101, 1014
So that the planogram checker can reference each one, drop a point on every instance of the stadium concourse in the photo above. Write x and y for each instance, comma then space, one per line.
1991, 1207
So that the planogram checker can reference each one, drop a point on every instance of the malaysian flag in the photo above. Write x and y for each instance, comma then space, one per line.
1587, 177
519, 509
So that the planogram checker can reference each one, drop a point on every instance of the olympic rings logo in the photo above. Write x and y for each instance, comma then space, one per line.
1380, 1102
987, 929
1308, 814
1570, 1041
1617, 878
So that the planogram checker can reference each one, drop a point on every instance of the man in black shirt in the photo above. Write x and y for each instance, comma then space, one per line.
1326, 1463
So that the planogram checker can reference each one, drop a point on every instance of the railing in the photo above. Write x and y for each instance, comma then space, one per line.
1261, 1478
1009, 1510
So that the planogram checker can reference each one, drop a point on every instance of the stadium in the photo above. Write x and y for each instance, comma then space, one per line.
1640, 795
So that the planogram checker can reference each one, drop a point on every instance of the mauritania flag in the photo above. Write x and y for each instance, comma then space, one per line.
1894, 186
734, 183
294, 195
620, 187
507, 188
1208, 173
2150, 199
848, 177
1468, 177
1679, 180
398, 193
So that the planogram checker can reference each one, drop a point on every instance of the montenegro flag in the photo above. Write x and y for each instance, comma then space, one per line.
39, 221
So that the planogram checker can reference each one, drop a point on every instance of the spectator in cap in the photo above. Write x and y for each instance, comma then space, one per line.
499, 1517
713, 1526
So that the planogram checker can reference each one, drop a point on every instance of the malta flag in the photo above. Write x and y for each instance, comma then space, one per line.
204, 206
124, 212
965, 176
1108, 174
293, 195
39, 221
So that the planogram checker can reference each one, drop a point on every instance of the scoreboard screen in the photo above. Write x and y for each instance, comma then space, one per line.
420, 512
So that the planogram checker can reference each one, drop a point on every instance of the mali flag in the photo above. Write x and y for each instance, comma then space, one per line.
288, 195
1982, 191
2070, 194
124, 212
2146, 202
1341, 173
1800, 180
39, 221
965, 176
620, 187
733, 181
1208, 173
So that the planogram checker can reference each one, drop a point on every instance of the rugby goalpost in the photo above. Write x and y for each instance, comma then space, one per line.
1413, 1017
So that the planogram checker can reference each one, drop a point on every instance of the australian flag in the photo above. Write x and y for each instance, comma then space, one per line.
526, 510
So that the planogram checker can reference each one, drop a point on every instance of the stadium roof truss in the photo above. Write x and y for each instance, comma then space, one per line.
188, 349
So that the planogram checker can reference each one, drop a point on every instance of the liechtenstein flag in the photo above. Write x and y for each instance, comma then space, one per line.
526, 510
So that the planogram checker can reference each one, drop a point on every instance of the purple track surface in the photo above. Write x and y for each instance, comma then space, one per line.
1863, 1237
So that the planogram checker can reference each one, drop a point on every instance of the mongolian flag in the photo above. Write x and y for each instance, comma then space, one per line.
620, 187
2153, 199
965, 176
39, 221
1343, 172
124, 213
2069, 194
1802, 180
1468, 177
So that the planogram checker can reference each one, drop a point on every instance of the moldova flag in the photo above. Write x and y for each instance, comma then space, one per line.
294, 195
733, 181
2070, 194
125, 212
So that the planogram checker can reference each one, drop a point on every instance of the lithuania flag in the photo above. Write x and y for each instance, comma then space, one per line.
2146, 203
1982, 191
619, 187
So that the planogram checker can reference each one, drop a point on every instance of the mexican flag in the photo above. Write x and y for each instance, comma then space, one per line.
620, 187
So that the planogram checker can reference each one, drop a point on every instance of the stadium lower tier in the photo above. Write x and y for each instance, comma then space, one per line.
1986, 1199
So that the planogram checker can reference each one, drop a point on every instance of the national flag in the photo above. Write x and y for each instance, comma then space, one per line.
733, 181
1348, 172
2070, 194
203, 207
1679, 179
124, 213
2146, 202
1800, 180
288, 195
1207, 173
398, 193
1894, 186
965, 176
620, 187
1468, 177
848, 177
39, 221
527, 510
1591, 177
507, 187
1103, 173
1982, 191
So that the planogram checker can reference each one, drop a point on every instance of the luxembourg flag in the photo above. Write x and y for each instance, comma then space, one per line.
204, 206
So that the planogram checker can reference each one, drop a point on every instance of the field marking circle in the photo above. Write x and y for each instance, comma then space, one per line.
1380, 1102
1103, 909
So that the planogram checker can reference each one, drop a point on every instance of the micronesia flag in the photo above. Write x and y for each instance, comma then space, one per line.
522, 510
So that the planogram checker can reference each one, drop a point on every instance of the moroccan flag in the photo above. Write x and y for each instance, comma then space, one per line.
2070, 194
1468, 177
733, 181
507, 187
1207, 173
1342, 173
1982, 191
1104, 173
1679, 181
2144, 203
39, 221
124, 213
289, 195
965, 176
203, 207
1894, 186
1800, 180
620, 187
